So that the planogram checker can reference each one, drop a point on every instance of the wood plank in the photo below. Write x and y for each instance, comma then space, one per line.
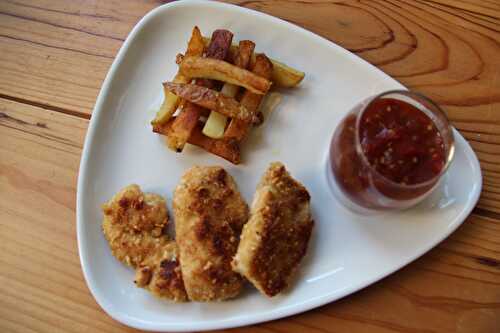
454, 288
42, 285
57, 53
410, 40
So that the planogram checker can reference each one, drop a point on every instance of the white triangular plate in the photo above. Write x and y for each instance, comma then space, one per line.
347, 251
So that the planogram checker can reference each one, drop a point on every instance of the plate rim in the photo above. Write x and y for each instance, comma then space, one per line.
292, 310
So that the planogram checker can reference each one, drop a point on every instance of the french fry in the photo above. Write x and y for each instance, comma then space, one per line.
226, 148
184, 125
216, 122
244, 54
282, 76
215, 125
211, 99
199, 67
237, 129
285, 76
170, 103
210, 61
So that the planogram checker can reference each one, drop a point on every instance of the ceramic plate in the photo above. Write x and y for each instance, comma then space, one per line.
347, 252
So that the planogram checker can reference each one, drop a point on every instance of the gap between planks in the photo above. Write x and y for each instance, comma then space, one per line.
45, 106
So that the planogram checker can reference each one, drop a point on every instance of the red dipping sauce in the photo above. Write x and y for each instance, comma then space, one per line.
388, 153
401, 142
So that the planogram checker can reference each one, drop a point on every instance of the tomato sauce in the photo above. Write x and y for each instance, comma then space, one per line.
401, 142
393, 145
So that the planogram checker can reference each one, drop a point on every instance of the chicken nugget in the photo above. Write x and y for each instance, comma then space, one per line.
209, 213
134, 224
160, 273
275, 239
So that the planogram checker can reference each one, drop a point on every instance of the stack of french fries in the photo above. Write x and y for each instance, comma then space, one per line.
215, 97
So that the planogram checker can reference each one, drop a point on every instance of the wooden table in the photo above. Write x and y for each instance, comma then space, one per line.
53, 58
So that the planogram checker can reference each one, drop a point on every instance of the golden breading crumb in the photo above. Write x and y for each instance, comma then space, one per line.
275, 239
209, 214
161, 274
134, 224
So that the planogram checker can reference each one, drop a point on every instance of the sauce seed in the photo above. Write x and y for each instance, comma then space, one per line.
405, 135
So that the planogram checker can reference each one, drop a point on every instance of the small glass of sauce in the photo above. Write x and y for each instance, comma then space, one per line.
390, 152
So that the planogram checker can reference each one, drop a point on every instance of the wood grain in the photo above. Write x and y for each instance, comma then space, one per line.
41, 281
56, 54
451, 289
53, 58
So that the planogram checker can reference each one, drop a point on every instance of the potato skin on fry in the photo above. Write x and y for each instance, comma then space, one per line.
218, 47
223, 71
228, 149
275, 239
282, 75
238, 129
209, 214
182, 126
244, 54
211, 99
170, 103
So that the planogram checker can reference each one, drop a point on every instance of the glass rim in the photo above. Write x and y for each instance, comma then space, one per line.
450, 151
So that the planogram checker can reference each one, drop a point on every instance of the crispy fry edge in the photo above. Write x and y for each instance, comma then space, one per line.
170, 103
238, 129
282, 75
211, 99
228, 149
220, 70
216, 123
185, 124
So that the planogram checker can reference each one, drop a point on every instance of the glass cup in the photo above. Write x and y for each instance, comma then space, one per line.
357, 183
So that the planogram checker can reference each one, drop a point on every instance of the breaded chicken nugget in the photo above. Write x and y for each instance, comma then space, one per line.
160, 273
275, 239
134, 225
209, 214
